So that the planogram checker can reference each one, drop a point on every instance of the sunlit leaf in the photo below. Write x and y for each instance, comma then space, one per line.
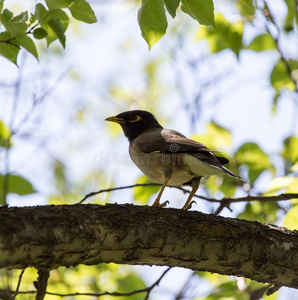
17, 185
53, 22
293, 186
41, 14
257, 161
260, 211
131, 282
291, 218
152, 21
142, 194
226, 35
82, 11
1, 5
280, 78
290, 152
246, 7
171, 6
262, 42
29, 45
4, 135
58, 29
278, 184
229, 186
202, 11
60, 176
56, 4
17, 25
216, 137
291, 15
9, 49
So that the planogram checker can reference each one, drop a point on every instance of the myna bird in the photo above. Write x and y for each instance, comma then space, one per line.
166, 156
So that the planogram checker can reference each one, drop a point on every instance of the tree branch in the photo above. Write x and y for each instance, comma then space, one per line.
227, 201
47, 237
41, 284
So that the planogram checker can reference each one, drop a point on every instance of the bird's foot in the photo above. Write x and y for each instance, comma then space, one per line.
164, 204
188, 206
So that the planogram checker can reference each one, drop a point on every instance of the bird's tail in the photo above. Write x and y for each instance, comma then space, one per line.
229, 172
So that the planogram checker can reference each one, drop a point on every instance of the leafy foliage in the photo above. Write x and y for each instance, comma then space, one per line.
152, 20
226, 35
257, 161
45, 23
16, 185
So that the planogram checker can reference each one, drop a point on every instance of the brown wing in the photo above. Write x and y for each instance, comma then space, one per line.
171, 141
167, 140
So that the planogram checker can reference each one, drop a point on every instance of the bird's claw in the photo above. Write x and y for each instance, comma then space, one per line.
163, 204
189, 205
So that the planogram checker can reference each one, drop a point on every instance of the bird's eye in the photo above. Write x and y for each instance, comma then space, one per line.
135, 118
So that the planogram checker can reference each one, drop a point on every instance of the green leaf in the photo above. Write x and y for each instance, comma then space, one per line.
10, 49
17, 185
82, 11
226, 35
131, 282
54, 23
1, 5
202, 10
143, 193
260, 211
152, 21
17, 26
257, 161
56, 4
4, 135
262, 42
280, 78
216, 137
40, 33
278, 184
41, 14
246, 7
6, 16
291, 218
290, 153
29, 45
291, 15
58, 29
171, 6
293, 186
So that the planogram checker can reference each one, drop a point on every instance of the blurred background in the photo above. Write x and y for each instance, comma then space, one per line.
226, 87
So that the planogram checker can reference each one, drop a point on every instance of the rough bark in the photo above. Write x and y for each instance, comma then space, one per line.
47, 237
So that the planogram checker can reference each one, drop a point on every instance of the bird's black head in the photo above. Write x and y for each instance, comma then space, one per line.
134, 122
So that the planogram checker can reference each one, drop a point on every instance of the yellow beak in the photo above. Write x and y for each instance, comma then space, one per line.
115, 119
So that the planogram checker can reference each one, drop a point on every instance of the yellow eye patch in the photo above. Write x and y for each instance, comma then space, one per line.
135, 119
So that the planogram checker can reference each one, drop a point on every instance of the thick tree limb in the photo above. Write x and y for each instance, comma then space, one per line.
47, 237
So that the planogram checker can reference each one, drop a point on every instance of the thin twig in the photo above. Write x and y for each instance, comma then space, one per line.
146, 290
18, 286
39, 100
224, 201
181, 294
277, 43
17, 87
117, 188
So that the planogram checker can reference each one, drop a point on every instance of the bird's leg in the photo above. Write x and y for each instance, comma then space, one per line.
195, 185
167, 178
